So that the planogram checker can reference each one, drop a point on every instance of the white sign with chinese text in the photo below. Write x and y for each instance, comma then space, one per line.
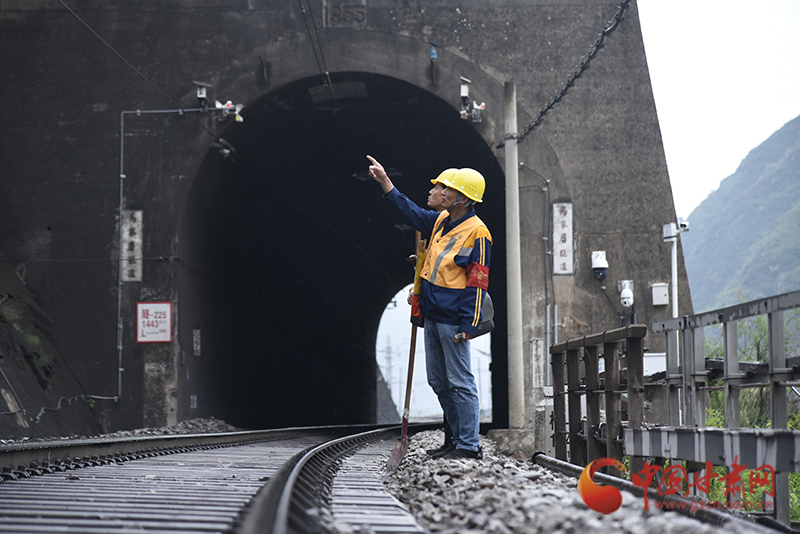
153, 322
131, 245
563, 252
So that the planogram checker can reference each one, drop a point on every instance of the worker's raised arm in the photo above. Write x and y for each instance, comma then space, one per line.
377, 172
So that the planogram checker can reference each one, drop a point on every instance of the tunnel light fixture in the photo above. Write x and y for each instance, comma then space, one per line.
469, 108
229, 108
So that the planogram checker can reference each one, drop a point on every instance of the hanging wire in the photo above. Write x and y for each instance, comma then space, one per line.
137, 71
37, 418
310, 38
613, 24
321, 65
69, 400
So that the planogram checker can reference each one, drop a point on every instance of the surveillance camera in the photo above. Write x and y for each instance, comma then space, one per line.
625, 288
684, 225
626, 297
599, 265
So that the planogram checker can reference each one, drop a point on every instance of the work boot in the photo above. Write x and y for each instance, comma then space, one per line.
456, 454
440, 451
448, 442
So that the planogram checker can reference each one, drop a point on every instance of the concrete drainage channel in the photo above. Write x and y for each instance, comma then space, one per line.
278, 481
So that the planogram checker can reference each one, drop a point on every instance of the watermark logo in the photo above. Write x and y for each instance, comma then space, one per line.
674, 480
603, 499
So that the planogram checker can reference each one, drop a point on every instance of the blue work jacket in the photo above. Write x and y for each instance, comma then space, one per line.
451, 305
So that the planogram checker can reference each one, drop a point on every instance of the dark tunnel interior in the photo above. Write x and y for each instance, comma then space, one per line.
290, 254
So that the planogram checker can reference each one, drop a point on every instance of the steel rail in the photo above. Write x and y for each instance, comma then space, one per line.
28, 458
295, 496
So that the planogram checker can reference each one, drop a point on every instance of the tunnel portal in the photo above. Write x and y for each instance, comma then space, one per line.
289, 253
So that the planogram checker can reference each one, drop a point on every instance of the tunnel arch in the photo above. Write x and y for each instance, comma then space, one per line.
290, 255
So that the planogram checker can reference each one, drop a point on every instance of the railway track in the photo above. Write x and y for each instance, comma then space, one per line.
280, 481
309, 480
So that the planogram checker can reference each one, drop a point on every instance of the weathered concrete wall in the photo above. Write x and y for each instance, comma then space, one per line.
33, 374
600, 149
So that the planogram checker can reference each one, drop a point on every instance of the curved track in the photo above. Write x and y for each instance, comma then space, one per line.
270, 481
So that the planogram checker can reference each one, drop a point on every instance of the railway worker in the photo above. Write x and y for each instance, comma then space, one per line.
455, 277
436, 203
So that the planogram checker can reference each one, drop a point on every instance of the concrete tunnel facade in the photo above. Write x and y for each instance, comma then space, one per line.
279, 258
291, 240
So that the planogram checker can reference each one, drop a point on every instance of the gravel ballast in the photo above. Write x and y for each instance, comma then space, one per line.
208, 425
504, 495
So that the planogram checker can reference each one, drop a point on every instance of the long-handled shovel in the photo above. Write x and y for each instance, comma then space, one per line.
402, 444
401, 447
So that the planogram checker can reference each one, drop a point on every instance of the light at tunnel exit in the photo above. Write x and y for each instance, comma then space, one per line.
392, 352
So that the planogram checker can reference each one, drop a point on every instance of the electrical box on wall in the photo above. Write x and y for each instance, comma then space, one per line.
660, 294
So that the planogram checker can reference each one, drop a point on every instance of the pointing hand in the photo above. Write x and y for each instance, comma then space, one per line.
378, 173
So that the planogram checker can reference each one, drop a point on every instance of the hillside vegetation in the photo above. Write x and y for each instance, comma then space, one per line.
744, 241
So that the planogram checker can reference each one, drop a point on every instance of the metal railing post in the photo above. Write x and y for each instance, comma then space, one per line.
635, 355
595, 449
613, 402
673, 380
778, 409
731, 375
577, 448
689, 389
559, 406
694, 376
700, 374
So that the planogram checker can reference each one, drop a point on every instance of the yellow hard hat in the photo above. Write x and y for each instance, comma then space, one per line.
468, 182
444, 176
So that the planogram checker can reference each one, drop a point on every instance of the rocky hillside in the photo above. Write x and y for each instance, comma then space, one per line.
744, 241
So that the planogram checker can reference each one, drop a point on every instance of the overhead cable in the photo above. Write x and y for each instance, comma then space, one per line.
612, 25
321, 65
137, 71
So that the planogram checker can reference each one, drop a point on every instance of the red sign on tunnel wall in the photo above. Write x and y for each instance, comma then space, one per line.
153, 322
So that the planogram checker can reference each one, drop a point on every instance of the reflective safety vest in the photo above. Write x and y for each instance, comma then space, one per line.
440, 268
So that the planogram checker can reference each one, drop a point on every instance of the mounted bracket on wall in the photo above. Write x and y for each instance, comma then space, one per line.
434, 54
467, 111
130, 222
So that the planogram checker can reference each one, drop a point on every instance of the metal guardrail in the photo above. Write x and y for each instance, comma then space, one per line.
591, 445
575, 375
687, 382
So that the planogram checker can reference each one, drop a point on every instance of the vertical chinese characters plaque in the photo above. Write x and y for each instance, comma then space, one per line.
131, 245
563, 252
153, 322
